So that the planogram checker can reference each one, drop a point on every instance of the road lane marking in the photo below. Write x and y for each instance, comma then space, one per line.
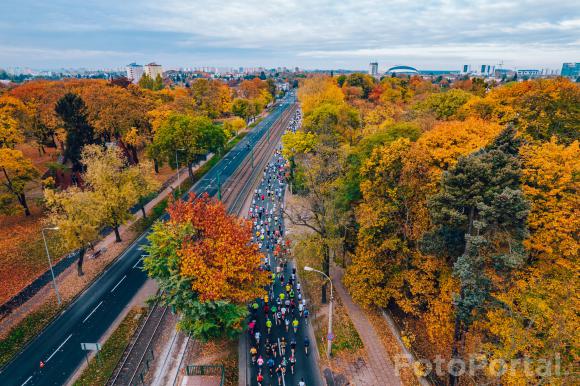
27, 380
120, 281
138, 261
93, 311
59, 347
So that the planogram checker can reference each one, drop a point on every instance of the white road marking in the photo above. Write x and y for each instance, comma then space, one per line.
138, 261
27, 380
120, 281
93, 311
59, 347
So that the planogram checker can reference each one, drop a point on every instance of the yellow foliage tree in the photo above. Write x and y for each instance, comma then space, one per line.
317, 90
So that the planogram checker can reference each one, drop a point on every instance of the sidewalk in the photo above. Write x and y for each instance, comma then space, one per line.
380, 368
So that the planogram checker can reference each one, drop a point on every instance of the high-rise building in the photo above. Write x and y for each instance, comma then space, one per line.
374, 69
465, 68
571, 70
153, 69
134, 72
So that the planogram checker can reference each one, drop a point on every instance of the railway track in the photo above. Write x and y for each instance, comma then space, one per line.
139, 353
235, 190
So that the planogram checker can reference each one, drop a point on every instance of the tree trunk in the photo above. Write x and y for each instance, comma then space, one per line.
143, 211
22, 200
134, 154
117, 234
190, 170
80, 261
156, 165
457, 336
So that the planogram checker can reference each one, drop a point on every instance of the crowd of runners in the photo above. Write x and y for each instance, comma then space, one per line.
277, 320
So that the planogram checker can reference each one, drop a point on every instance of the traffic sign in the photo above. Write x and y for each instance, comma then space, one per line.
90, 346
330, 337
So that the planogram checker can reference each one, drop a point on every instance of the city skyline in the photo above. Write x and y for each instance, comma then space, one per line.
309, 34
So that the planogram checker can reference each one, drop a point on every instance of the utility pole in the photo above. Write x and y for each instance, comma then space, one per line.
330, 336
219, 184
50, 263
177, 165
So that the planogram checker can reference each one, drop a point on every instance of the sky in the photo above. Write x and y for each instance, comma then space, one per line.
322, 34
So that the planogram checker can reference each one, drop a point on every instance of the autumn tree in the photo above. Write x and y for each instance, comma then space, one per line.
234, 125
72, 111
206, 265
143, 183
211, 97
17, 171
480, 218
241, 108
445, 105
113, 184
79, 217
12, 115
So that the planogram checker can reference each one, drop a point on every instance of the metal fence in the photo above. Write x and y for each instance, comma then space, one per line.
207, 370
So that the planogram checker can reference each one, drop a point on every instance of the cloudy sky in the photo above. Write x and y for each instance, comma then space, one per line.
437, 34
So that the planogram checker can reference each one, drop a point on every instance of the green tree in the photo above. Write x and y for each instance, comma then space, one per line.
73, 112
241, 108
146, 82
195, 135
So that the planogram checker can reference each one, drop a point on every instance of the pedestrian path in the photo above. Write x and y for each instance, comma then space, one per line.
381, 369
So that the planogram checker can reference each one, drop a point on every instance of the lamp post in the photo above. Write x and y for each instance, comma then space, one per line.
50, 263
329, 336
177, 165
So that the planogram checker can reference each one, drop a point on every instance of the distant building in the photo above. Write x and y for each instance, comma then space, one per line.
528, 73
465, 68
154, 69
374, 69
134, 72
571, 70
402, 70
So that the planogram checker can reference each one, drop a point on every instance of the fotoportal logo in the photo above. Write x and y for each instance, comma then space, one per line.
476, 364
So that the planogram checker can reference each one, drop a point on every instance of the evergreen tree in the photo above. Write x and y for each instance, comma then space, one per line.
482, 205
73, 112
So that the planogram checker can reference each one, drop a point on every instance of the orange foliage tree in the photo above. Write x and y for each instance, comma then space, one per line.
206, 265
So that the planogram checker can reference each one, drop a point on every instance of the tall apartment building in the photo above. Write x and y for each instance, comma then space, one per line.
153, 69
374, 69
134, 72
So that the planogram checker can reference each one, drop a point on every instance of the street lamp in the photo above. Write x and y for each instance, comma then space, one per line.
329, 336
177, 164
50, 262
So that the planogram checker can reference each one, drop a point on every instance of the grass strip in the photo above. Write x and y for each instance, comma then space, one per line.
101, 368
27, 329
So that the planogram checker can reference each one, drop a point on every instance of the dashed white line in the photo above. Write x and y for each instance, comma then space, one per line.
138, 261
27, 380
120, 281
59, 347
92, 312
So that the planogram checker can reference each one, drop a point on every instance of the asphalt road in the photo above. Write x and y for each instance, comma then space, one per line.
87, 319
305, 367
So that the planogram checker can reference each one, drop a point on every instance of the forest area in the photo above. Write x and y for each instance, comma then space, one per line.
455, 206
83, 155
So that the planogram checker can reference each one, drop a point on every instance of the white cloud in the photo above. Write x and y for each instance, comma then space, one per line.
309, 31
